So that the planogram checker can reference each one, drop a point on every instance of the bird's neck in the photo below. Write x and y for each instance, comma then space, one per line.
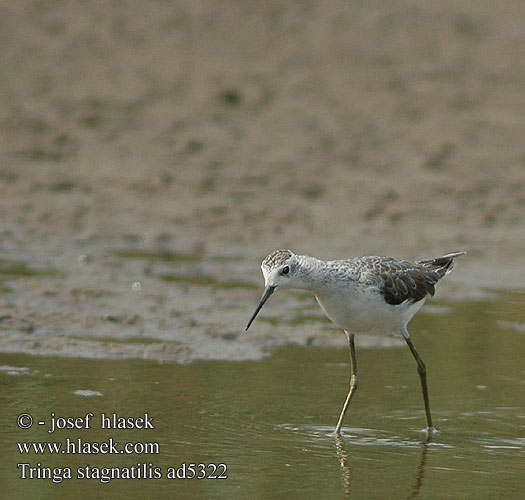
310, 273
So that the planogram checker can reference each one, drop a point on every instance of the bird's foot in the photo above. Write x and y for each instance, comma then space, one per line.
430, 432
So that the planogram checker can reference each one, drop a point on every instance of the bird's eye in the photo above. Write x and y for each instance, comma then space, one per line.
285, 270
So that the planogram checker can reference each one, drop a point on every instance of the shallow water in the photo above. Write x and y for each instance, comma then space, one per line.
271, 421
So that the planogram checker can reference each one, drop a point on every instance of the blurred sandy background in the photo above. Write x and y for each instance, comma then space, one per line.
334, 128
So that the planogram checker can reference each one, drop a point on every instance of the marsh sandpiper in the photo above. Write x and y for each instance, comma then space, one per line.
364, 295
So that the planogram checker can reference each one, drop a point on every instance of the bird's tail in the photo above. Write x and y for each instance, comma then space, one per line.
444, 264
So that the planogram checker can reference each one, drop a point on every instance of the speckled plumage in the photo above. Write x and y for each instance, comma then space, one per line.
375, 295
277, 258
398, 280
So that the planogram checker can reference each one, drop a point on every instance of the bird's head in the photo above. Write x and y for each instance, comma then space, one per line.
279, 270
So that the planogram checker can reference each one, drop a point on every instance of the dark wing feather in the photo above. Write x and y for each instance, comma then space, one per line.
401, 280
413, 281
402, 283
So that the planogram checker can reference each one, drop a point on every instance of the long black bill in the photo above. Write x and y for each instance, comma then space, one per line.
265, 296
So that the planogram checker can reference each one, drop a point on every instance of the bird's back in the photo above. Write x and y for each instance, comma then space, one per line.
401, 280
379, 295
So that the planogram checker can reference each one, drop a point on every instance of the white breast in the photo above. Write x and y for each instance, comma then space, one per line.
364, 310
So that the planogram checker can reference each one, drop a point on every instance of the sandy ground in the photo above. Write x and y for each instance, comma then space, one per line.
212, 133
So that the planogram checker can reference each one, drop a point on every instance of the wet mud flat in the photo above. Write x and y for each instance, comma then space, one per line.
168, 306
141, 186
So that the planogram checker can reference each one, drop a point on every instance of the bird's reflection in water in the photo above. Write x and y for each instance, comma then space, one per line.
346, 469
416, 488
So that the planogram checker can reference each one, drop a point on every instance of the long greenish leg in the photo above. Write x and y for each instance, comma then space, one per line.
354, 381
421, 370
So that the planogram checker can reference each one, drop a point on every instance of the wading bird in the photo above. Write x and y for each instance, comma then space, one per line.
367, 295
